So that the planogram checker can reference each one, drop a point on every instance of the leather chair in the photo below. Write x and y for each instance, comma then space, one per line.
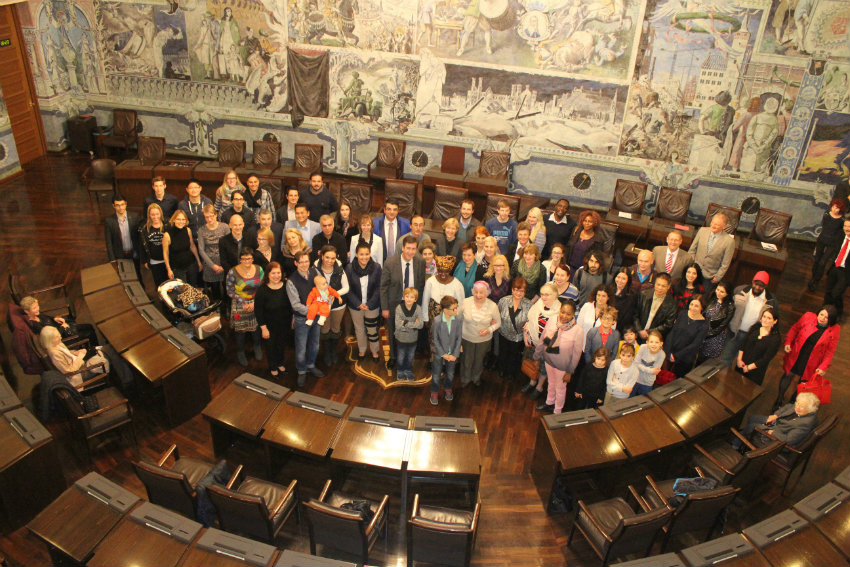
770, 227
88, 386
408, 194
699, 511
125, 130
255, 508
671, 209
100, 178
450, 171
358, 196
306, 159
151, 154
608, 230
492, 209
53, 300
113, 412
388, 163
727, 465
441, 535
613, 528
629, 197
173, 487
447, 202
529, 202
264, 162
231, 154
23, 340
493, 174
345, 530
791, 457
733, 214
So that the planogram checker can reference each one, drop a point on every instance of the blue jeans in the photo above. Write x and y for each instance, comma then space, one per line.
437, 366
640, 390
731, 348
306, 343
404, 357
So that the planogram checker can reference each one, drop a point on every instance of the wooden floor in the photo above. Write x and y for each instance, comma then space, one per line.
49, 231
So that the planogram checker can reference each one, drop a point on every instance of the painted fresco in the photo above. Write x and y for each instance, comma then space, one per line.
828, 155
526, 109
835, 92
67, 37
804, 27
373, 89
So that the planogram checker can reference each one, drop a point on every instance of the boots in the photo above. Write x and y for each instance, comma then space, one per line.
328, 346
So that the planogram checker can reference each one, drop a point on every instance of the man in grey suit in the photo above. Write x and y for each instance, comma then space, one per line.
400, 272
791, 423
122, 232
713, 250
671, 255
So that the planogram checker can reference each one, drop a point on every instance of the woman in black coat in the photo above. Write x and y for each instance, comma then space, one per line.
274, 316
759, 347
624, 300
685, 338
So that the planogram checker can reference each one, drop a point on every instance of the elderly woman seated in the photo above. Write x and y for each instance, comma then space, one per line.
77, 365
791, 423
69, 329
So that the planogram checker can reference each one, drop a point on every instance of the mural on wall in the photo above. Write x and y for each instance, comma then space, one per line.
527, 109
828, 157
835, 92
804, 27
69, 51
693, 68
144, 39
373, 89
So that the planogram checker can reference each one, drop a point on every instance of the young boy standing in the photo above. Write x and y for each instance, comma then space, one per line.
502, 227
446, 330
408, 321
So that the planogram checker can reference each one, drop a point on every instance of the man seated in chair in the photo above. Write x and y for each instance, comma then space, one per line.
791, 423
68, 329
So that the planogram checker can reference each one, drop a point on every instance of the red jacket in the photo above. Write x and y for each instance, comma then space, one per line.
821, 356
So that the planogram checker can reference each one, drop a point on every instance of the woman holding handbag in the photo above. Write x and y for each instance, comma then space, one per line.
809, 346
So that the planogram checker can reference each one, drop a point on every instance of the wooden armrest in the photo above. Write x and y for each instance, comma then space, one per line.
233, 478
379, 513
325, 491
583, 508
113, 405
790, 448
711, 458
86, 173
48, 288
279, 504
644, 505
171, 451
475, 513
90, 381
414, 511
652, 485
700, 472
743, 439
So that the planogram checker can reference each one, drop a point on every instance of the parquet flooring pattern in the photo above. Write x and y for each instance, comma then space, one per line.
49, 231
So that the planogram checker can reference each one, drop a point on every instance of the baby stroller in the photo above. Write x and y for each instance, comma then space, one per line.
192, 312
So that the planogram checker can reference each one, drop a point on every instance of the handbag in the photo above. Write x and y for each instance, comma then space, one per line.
819, 386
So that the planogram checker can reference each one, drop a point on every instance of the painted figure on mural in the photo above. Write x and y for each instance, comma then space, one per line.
739, 130
206, 45
227, 45
761, 132
347, 10
714, 123
161, 38
472, 21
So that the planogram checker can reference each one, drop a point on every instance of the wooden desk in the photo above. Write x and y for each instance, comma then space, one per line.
126, 330
73, 525
237, 411
30, 476
739, 551
108, 303
131, 544
753, 258
99, 277
646, 431
184, 380
442, 456
215, 548
694, 411
731, 389
805, 548
368, 445
660, 228
301, 430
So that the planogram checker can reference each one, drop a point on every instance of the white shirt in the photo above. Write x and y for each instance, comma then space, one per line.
410, 282
752, 310
364, 289
556, 221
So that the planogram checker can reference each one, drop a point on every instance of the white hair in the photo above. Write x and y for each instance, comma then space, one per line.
811, 401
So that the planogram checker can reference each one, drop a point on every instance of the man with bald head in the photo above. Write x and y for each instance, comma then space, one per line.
642, 274
713, 249
671, 259
230, 245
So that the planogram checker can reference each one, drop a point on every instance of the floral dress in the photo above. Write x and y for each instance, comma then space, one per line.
242, 292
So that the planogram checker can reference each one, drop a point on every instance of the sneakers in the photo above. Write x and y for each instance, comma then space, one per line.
449, 396
316, 372
434, 399
302, 379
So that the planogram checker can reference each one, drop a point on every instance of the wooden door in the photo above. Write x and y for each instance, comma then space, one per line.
18, 90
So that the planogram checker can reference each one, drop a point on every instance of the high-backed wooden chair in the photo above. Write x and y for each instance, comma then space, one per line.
408, 194
492, 209
124, 132
447, 202
493, 174
389, 161
110, 412
264, 161
626, 208
254, 508
441, 535
733, 214
306, 159
358, 196
173, 487
450, 171
151, 154
231, 154
100, 178
770, 227
671, 212
333, 526
727, 465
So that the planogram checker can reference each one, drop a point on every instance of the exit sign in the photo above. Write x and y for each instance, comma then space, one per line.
5, 42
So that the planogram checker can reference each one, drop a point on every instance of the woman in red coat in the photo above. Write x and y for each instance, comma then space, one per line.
809, 347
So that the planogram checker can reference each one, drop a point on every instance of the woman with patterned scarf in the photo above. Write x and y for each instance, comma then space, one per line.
531, 269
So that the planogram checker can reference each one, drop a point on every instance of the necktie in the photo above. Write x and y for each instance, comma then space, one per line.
390, 240
711, 240
842, 254
668, 267
406, 275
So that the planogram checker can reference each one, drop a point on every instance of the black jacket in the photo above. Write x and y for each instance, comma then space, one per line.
114, 245
664, 318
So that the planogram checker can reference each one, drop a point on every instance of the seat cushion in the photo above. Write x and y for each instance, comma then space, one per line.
112, 417
666, 488
447, 516
270, 492
609, 513
337, 499
725, 454
194, 469
383, 172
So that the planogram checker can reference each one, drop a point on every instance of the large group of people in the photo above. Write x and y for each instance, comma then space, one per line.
541, 292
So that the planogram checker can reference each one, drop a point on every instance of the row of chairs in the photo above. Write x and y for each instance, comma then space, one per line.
615, 527
258, 509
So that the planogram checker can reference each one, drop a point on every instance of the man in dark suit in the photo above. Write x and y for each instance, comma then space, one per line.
230, 245
656, 309
404, 270
122, 233
265, 221
327, 237
671, 255
390, 227
166, 201
791, 423
559, 226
